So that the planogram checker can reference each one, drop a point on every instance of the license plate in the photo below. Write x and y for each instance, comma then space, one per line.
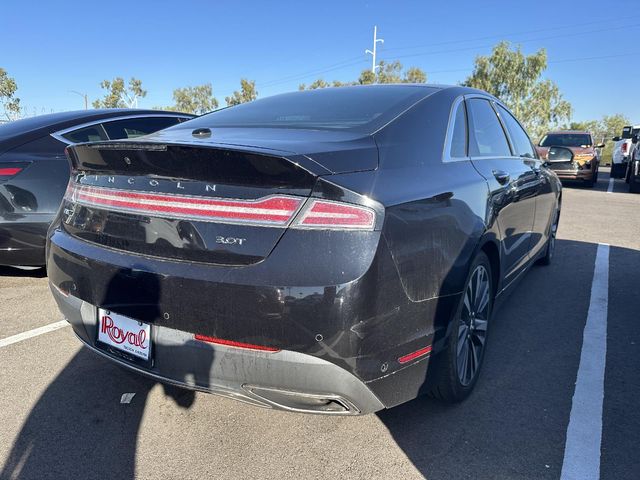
124, 334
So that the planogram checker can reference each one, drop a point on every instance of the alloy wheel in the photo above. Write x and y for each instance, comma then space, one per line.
472, 329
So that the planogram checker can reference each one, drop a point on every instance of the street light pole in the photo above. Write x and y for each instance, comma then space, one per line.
373, 53
84, 96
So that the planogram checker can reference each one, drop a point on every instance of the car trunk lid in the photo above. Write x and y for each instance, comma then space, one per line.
199, 201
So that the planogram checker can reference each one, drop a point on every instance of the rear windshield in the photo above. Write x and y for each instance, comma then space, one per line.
566, 140
349, 108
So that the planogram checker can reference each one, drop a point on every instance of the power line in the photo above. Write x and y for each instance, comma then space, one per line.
356, 60
476, 47
564, 60
519, 33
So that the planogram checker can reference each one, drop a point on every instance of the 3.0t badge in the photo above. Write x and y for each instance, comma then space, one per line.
230, 240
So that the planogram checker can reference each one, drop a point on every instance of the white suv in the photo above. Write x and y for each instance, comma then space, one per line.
622, 150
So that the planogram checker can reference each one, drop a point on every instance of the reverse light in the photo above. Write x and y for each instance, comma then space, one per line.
324, 214
233, 343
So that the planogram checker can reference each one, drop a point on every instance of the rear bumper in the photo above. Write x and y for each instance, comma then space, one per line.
23, 243
345, 329
283, 380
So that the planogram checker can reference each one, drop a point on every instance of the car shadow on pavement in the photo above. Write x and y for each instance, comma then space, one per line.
514, 423
82, 427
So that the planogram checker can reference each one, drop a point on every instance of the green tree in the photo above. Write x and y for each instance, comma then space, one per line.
10, 103
197, 100
120, 96
392, 73
517, 80
320, 83
385, 73
415, 75
247, 93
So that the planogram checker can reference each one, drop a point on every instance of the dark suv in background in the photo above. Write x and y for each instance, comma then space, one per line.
584, 164
34, 170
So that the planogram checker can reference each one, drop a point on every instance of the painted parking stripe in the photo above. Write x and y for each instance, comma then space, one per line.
610, 188
584, 433
4, 342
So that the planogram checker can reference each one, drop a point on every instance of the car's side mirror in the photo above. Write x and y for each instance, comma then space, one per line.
616, 139
559, 154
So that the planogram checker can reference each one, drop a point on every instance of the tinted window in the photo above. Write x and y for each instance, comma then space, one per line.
566, 140
486, 136
356, 108
136, 127
459, 136
520, 139
94, 133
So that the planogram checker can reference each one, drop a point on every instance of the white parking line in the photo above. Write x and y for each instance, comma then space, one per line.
4, 342
584, 433
610, 188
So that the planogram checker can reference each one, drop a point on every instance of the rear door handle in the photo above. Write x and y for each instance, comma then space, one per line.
501, 176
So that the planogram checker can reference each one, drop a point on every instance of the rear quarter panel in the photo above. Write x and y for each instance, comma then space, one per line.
436, 212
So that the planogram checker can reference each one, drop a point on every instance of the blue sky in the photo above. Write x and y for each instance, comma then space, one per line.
51, 48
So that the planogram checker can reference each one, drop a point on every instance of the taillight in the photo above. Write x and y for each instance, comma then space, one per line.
276, 210
324, 214
273, 210
624, 147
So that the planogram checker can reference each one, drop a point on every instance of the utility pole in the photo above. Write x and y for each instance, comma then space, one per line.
373, 53
83, 95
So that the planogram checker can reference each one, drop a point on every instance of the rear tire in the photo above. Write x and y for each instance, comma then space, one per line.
634, 187
457, 367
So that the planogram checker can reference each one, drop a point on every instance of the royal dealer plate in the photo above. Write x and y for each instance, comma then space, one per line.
124, 334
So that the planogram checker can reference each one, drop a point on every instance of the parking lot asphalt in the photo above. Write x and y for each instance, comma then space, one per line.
61, 414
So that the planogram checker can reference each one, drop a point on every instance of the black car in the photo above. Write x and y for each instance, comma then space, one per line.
34, 170
332, 251
632, 175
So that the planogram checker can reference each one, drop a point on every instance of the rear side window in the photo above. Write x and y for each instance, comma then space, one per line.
136, 127
486, 136
459, 136
94, 133
520, 139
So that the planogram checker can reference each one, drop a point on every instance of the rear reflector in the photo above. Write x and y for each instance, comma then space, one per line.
322, 214
232, 343
413, 355
275, 210
9, 172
